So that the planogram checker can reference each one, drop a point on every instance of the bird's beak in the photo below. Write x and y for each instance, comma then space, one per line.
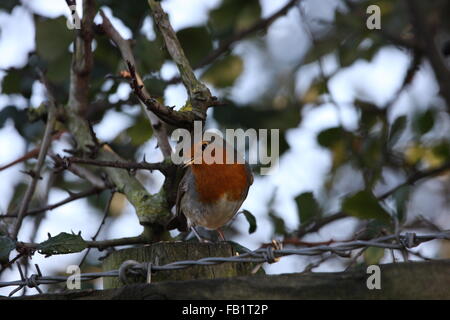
188, 163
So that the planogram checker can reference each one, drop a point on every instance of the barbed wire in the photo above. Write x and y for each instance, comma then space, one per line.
268, 254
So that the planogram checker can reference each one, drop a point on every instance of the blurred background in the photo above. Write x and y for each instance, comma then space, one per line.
358, 110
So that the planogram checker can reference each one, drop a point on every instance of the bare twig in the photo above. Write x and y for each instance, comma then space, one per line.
427, 37
100, 245
159, 128
323, 74
416, 177
182, 119
32, 153
228, 43
105, 215
190, 81
161, 166
103, 244
316, 224
151, 209
200, 97
51, 119
83, 173
72, 197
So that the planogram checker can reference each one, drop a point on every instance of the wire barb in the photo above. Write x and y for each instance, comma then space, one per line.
270, 254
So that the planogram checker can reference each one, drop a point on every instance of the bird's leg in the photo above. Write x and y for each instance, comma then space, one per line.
221, 235
200, 239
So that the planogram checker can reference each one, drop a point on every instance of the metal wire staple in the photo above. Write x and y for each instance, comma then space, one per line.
269, 254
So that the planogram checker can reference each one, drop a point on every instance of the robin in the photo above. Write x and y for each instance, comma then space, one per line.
211, 190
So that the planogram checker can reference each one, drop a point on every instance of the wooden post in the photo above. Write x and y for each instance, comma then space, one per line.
165, 252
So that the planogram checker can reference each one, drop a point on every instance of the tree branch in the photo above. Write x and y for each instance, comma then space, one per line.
199, 95
82, 61
83, 173
228, 43
159, 129
316, 224
100, 245
105, 215
51, 120
160, 166
103, 244
426, 36
183, 119
151, 209
262, 24
416, 177
72, 197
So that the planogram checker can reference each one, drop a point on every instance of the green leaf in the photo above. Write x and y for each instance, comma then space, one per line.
397, 129
18, 81
232, 16
329, 137
6, 246
278, 224
307, 207
373, 255
348, 50
322, 48
251, 221
18, 116
149, 54
424, 122
140, 132
131, 15
63, 243
401, 197
196, 43
224, 72
442, 150
156, 85
8, 5
53, 38
364, 205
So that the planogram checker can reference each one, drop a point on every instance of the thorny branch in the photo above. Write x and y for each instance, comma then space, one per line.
159, 129
151, 209
200, 97
161, 166
98, 244
105, 215
71, 198
183, 119
51, 120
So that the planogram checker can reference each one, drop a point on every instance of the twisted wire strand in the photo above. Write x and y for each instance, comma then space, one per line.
269, 254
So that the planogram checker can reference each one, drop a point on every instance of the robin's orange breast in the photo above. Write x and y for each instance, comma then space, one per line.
213, 181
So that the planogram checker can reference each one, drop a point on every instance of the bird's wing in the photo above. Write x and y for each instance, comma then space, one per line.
179, 221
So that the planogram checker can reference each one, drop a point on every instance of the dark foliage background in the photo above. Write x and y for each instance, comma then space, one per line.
351, 129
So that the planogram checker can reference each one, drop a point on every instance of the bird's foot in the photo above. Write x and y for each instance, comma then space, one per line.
221, 235
200, 239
